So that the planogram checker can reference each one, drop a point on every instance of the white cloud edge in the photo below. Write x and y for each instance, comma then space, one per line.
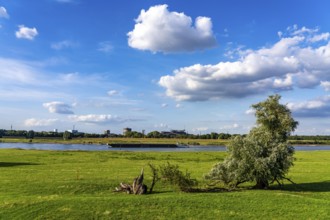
105, 47
3, 12
34, 122
98, 119
64, 44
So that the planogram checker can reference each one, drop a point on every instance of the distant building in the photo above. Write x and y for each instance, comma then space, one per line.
107, 132
126, 130
179, 132
73, 131
174, 133
55, 130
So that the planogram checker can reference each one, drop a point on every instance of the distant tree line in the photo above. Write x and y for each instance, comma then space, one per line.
46, 134
30, 134
131, 134
157, 134
309, 137
213, 135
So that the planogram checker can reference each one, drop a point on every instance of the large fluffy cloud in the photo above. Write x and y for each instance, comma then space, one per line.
58, 107
160, 30
301, 59
26, 32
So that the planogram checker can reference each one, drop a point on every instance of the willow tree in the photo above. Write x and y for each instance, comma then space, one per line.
264, 155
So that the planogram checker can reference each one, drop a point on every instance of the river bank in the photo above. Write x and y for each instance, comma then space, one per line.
161, 148
105, 141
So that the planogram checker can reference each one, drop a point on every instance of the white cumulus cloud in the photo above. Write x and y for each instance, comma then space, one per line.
97, 119
319, 107
33, 122
26, 32
293, 61
58, 107
3, 12
159, 30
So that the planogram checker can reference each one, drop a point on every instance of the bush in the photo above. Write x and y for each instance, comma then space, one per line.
172, 174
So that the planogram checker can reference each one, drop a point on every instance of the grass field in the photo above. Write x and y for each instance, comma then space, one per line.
79, 185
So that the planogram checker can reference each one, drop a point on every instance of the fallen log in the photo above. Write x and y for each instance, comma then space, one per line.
137, 188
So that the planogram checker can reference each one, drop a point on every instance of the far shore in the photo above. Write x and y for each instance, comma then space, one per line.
106, 141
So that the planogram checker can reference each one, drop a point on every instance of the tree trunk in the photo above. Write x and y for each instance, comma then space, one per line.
137, 188
261, 184
155, 177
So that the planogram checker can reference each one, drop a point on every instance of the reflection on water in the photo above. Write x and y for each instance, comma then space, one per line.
91, 147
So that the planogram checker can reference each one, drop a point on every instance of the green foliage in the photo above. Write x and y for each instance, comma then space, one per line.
154, 134
134, 134
67, 135
264, 155
172, 174
30, 134
275, 118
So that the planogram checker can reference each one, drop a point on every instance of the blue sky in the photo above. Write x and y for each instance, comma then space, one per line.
161, 65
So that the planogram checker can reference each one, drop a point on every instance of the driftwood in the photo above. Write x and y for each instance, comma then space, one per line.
137, 188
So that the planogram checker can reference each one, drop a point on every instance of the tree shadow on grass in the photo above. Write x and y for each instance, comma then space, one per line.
14, 164
300, 187
208, 190
307, 187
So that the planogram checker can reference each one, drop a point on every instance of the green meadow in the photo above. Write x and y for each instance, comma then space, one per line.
79, 185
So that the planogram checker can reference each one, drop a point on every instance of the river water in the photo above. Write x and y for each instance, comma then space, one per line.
91, 147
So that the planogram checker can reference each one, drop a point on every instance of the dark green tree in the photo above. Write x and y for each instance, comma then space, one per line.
264, 155
154, 134
30, 134
67, 135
